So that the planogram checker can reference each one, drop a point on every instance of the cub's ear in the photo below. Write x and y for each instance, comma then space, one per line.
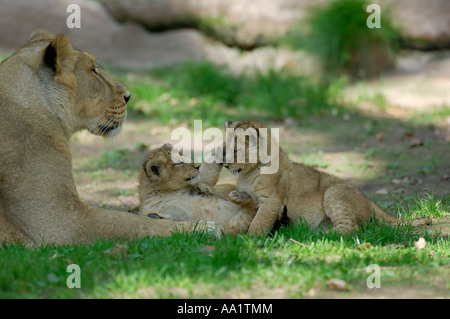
60, 56
229, 124
152, 168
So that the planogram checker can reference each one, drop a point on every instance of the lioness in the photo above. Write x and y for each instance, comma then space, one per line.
317, 197
49, 91
167, 189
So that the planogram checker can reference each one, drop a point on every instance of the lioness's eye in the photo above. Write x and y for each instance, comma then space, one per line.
178, 163
94, 69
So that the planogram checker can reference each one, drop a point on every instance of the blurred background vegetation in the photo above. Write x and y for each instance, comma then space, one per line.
216, 60
334, 33
369, 105
380, 96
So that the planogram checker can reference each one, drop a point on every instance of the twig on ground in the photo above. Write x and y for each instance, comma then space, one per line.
297, 242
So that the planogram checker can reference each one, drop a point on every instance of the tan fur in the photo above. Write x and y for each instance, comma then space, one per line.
317, 197
168, 189
48, 91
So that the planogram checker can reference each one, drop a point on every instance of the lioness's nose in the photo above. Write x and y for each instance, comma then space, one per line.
127, 97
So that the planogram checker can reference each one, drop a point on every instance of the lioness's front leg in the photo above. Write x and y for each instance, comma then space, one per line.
112, 224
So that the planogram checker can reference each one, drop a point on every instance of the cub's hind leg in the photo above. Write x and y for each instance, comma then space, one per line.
241, 222
346, 207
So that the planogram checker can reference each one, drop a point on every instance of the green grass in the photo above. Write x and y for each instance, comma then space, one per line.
197, 265
214, 94
337, 34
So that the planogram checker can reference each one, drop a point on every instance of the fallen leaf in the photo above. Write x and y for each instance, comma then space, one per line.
415, 141
312, 292
400, 181
380, 137
420, 244
382, 191
363, 246
337, 284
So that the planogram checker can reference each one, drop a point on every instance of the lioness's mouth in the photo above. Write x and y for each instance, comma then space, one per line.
107, 129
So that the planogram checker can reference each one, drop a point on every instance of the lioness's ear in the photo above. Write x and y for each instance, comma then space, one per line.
59, 55
39, 34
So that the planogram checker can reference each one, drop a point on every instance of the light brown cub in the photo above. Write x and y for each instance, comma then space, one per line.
317, 197
168, 190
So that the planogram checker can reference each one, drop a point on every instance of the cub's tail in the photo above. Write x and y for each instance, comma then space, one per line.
382, 217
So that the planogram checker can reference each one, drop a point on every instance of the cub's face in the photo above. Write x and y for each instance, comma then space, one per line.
242, 147
161, 172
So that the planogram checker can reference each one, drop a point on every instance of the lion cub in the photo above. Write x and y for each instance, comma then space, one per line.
317, 197
167, 190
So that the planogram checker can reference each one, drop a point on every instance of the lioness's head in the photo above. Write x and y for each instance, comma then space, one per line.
83, 94
161, 172
247, 144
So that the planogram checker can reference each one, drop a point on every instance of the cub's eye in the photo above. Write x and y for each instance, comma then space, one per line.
178, 163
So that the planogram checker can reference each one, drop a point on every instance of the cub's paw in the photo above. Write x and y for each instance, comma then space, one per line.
204, 189
244, 200
239, 197
212, 228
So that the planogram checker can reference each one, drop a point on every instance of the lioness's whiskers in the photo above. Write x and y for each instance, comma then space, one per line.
94, 125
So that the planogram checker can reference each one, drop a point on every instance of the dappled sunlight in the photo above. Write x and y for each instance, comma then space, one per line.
385, 158
366, 103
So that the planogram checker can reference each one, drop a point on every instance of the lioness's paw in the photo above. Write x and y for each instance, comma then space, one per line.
154, 215
422, 221
134, 209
